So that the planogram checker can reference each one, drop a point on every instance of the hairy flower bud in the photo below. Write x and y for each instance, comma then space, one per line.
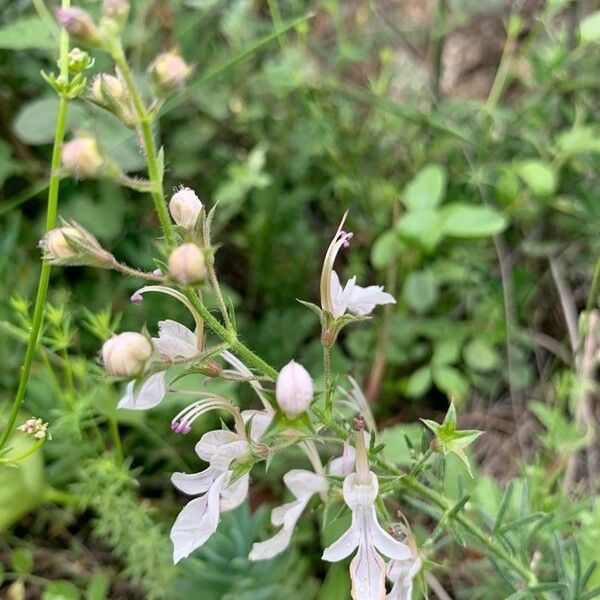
187, 264
73, 245
78, 23
56, 244
185, 208
81, 156
169, 72
115, 9
126, 354
107, 89
79, 60
294, 389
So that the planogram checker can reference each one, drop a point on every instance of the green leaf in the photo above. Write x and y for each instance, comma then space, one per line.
424, 227
427, 189
420, 291
61, 590
466, 221
480, 355
539, 177
383, 249
98, 586
451, 381
36, 121
418, 383
337, 583
578, 140
589, 28
21, 561
27, 33
446, 352
396, 449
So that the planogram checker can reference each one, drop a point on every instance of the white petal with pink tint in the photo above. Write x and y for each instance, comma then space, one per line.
175, 340
145, 394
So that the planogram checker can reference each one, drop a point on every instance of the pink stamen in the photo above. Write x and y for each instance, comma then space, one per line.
157, 273
136, 298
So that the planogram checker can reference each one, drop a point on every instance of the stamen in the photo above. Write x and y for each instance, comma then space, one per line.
136, 298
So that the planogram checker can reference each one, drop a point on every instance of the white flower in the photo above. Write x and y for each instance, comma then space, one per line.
294, 389
185, 208
304, 485
240, 369
367, 569
145, 394
175, 341
199, 518
401, 573
336, 299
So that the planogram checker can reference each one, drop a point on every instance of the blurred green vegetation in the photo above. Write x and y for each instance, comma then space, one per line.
476, 204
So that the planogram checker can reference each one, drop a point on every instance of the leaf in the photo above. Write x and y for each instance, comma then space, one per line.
427, 188
446, 351
21, 561
336, 585
36, 121
420, 291
98, 586
61, 590
451, 381
466, 221
27, 33
578, 140
480, 355
539, 177
383, 249
425, 227
418, 383
589, 28
396, 448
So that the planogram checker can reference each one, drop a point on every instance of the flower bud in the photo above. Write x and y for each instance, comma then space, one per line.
56, 244
72, 245
126, 354
169, 72
78, 23
107, 89
35, 428
294, 389
186, 264
81, 156
115, 9
79, 61
185, 208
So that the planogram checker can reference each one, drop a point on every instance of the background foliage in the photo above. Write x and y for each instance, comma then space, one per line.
463, 139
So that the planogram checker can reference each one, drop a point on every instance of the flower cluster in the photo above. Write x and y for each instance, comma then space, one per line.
35, 428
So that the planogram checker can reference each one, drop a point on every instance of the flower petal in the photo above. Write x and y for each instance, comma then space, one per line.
212, 441
273, 546
145, 394
367, 572
303, 483
194, 483
344, 464
261, 419
227, 453
401, 573
175, 340
385, 543
197, 521
362, 300
340, 297
343, 546
235, 493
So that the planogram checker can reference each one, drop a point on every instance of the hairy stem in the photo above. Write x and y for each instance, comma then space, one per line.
145, 123
51, 216
230, 337
328, 380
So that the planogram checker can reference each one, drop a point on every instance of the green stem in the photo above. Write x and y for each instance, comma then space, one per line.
116, 437
249, 357
446, 505
51, 216
33, 448
145, 123
328, 380
593, 295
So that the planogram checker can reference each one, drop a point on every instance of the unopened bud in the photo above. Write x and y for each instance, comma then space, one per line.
79, 60
187, 264
185, 208
294, 389
211, 369
115, 9
126, 354
35, 428
107, 89
56, 244
169, 72
81, 156
78, 23
73, 245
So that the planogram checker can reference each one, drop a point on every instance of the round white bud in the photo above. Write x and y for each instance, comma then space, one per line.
169, 72
185, 208
125, 355
187, 264
81, 156
105, 85
56, 245
294, 389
